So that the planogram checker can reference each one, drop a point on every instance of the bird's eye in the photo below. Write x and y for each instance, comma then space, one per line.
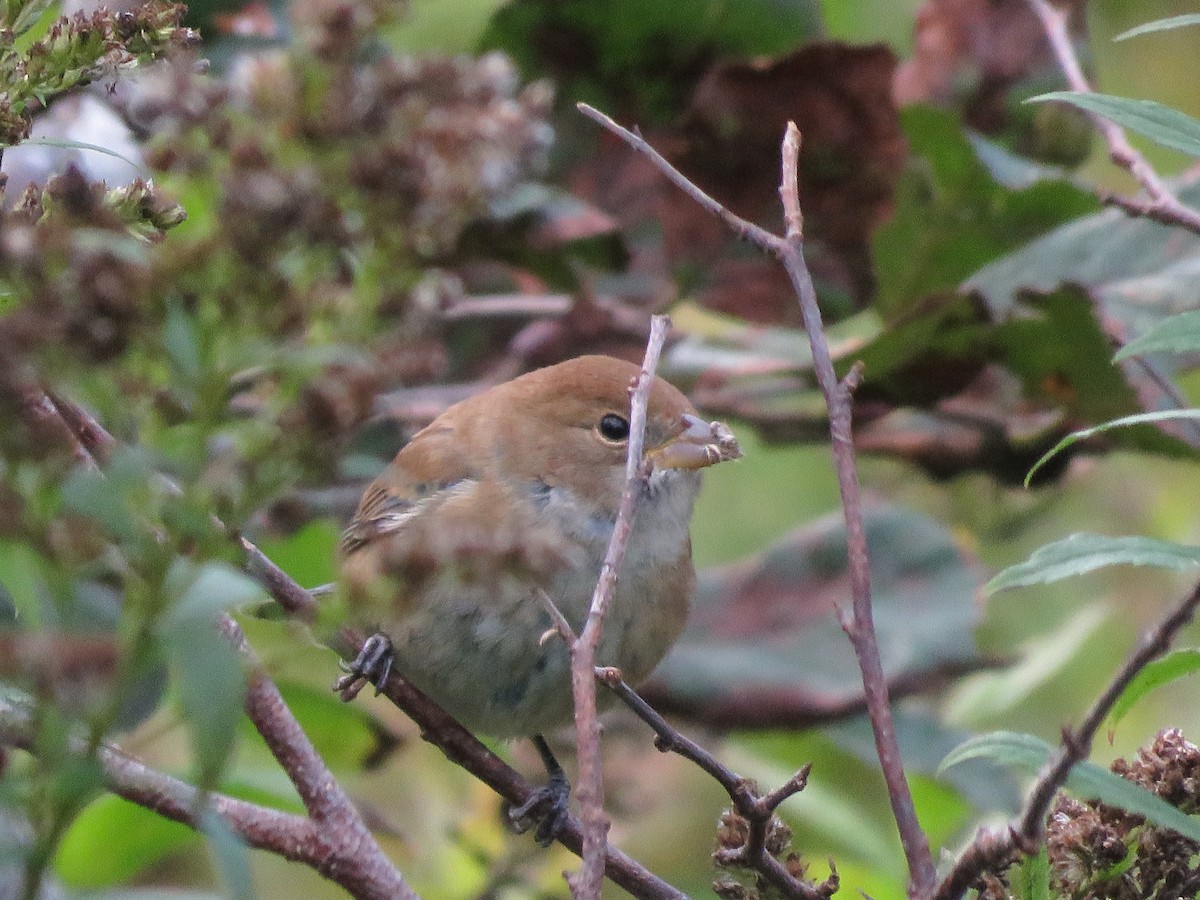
613, 427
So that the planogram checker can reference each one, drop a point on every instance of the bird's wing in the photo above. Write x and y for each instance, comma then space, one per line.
431, 464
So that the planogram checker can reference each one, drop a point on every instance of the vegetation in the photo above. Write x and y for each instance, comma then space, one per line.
330, 239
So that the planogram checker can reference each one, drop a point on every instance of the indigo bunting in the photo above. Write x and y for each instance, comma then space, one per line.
513, 491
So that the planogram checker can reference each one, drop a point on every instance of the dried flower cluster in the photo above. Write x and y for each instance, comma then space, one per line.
1100, 852
79, 50
733, 834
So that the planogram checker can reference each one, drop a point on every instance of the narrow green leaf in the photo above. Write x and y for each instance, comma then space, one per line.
229, 854
1163, 671
1161, 124
182, 343
68, 144
1160, 25
1123, 422
27, 14
1030, 878
211, 685
1175, 334
1088, 780
1082, 553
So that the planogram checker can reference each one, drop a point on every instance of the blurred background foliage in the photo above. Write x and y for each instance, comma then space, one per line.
362, 212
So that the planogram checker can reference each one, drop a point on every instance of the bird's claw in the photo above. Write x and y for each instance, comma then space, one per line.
548, 806
373, 665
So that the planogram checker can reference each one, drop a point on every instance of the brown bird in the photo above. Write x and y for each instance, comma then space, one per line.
512, 492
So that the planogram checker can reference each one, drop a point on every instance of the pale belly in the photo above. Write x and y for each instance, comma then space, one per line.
490, 662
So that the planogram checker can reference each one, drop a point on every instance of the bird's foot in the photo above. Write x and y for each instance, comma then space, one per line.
548, 807
373, 665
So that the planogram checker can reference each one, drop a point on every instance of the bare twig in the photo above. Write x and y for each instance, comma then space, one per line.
508, 306
589, 785
293, 837
464, 749
757, 809
342, 845
1162, 205
991, 850
859, 625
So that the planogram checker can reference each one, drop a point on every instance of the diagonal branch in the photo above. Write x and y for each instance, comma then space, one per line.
336, 855
859, 626
756, 808
991, 850
462, 748
1161, 204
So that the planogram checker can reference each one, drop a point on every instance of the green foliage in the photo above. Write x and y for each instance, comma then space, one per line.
1030, 878
1161, 124
1083, 553
1134, 421
1176, 334
77, 51
89, 858
1156, 674
1160, 25
1029, 754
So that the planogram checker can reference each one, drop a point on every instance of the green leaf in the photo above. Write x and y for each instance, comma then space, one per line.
207, 671
211, 686
1160, 25
1154, 675
27, 14
182, 343
113, 840
1088, 780
952, 216
309, 555
1176, 334
21, 582
1030, 878
67, 144
201, 592
1161, 124
1123, 422
229, 854
1082, 553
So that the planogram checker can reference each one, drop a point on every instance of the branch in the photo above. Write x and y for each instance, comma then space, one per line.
992, 850
756, 808
293, 837
1162, 206
465, 750
589, 785
860, 625
335, 841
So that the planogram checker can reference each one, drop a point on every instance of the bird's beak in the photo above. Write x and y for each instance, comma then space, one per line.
700, 444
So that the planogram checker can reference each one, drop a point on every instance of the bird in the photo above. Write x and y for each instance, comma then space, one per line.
508, 498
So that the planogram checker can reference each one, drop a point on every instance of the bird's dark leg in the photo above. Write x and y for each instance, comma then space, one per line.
373, 665
548, 805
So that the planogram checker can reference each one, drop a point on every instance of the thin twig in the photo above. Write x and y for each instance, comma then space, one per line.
992, 850
465, 750
290, 836
345, 844
1163, 206
757, 809
589, 785
860, 625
